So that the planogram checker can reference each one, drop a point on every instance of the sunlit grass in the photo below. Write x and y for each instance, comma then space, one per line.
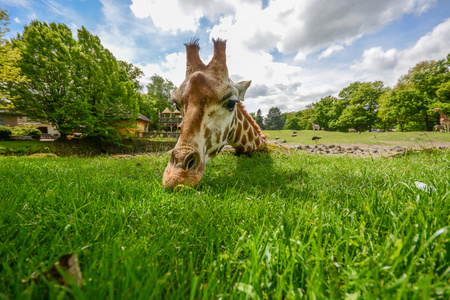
416, 139
267, 226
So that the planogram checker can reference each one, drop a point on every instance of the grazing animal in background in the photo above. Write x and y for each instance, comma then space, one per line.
213, 115
444, 120
351, 130
294, 135
316, 138
294, 132
315, 127
439, 128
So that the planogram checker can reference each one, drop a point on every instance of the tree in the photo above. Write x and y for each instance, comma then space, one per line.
426, 77
259, 119
9, 57
159, 91
293, 123
273, 120
361, 113
400, 106
323, 111
74, 85
133, 74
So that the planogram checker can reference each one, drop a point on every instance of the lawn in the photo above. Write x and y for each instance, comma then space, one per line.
25, 147
405, 139
369, 138
262, 227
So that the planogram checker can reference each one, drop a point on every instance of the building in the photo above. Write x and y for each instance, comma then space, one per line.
13, 119
139, 127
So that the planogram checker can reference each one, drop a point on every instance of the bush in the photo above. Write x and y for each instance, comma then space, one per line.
27, 130
5, 132
35, 133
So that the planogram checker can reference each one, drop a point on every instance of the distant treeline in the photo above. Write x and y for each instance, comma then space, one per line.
408, 106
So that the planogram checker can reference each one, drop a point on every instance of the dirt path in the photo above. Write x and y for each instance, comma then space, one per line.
360, 149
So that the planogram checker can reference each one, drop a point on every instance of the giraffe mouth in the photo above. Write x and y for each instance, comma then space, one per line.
183, 170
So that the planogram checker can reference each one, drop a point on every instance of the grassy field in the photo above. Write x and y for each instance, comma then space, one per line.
261, 227
342, 138
25, 147
405, 139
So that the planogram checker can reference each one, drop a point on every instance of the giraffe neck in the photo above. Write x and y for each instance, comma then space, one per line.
245, 135
442, 115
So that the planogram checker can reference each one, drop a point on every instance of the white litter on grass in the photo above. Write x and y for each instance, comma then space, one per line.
424, 187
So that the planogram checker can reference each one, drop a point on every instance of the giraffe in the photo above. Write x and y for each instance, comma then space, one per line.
315, 126
213, 115
444, 120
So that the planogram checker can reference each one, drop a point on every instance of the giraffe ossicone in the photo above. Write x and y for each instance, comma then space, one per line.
213, 115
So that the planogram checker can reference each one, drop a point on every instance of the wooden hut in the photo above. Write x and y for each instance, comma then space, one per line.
169, 120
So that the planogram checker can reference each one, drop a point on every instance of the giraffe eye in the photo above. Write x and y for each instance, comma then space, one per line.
231, 104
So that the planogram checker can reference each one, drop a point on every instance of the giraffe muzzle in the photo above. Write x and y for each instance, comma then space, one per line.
185, 170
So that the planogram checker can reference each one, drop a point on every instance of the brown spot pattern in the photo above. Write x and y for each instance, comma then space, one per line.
238, 133
230, 134
225, 134
246, 125
239, 115
244, 140
258, 142
251, 134
218, 134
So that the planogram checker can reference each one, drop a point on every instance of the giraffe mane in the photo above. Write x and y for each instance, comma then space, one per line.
252, 121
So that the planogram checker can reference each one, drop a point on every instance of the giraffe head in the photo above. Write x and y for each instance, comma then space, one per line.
207, 100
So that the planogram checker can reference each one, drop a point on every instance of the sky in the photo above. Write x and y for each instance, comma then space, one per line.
294, 51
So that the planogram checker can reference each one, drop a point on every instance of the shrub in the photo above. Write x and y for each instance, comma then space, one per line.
35, 133
27, 130
5, 132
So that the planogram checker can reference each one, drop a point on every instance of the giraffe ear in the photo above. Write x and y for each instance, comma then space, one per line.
242, 87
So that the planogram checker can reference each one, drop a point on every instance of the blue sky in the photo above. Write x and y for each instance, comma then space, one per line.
295, 52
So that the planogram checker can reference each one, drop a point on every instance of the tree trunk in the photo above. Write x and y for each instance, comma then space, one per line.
427, 126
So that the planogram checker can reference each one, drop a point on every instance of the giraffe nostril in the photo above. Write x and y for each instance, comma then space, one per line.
190, 161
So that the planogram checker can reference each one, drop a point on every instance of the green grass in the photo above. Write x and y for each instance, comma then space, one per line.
25, 147
369, 138
262, 227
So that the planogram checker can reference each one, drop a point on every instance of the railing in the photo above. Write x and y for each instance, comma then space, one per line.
170, 120
155, 134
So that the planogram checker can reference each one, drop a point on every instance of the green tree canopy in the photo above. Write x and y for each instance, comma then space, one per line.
361, 113
74, 85
293, 123
9, 57
400, 106
157, 98
273, 120
259, 119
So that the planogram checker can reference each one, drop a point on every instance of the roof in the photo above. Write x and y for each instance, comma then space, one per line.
143, 118
167, 111
176, 112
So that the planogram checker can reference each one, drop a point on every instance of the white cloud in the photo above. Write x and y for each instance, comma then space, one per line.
173, 67
294, 27
330, 50
306, 26
17, 20
376, 59
179, 15
390, 65
23, 3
